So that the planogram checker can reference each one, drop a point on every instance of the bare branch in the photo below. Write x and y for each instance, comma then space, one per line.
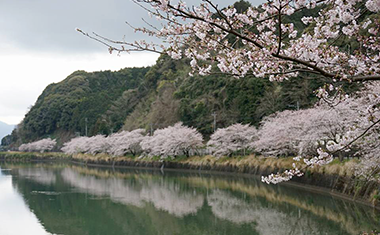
364, 78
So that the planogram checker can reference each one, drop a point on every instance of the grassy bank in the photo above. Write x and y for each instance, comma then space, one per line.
27, 156
238, 164
336, 177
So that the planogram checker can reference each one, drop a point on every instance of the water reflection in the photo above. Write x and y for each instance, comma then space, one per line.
39, 175
14, 212
100, 201
267, 220
166, 196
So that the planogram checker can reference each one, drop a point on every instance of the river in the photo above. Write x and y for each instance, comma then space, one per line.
40, 199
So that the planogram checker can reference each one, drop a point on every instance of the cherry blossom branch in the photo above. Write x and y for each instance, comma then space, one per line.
279, 29
276, 15
364, 78
358, 137
136, 46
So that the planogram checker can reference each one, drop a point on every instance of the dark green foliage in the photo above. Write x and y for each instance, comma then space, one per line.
67, 104
5, 141
233, 100
241, 6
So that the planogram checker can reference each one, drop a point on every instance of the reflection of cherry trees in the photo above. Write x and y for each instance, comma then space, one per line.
39, 175
168, 197
163, 195
227, 207
263, 209
266, 221
117, 189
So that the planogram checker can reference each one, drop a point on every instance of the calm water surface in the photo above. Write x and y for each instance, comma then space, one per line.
39, 199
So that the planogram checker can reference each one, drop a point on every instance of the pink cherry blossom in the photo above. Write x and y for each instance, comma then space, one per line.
38, 146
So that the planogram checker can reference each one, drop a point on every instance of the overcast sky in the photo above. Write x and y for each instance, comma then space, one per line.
39, 45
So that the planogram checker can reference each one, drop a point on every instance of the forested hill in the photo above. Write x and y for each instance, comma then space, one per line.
63, 108
156, 97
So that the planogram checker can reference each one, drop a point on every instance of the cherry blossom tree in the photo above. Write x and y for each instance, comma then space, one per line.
369, 167
264, 43
126, 142
97, 144
24, 148
350, 126
76, 145
39, 146
173, 141
91, 145
302, 132
226, 141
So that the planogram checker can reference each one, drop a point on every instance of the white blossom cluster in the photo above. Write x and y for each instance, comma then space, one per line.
351, 126
118, 144
93, 145
323, 158
38, 146
281, 177
271, 46
226, 141
173, 141
302, 132
126, 142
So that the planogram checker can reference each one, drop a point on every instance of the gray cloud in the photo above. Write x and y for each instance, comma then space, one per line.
49, 25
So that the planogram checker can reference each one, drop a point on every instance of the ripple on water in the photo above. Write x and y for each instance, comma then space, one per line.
49, 193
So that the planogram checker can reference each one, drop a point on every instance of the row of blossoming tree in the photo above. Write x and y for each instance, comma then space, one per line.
172, 141
302, 134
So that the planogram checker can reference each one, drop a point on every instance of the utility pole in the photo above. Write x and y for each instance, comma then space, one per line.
297, 106
214, 115
85, 121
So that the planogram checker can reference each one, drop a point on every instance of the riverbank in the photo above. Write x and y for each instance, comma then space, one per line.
336, 178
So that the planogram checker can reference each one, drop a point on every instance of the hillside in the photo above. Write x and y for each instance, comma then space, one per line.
65, 109
154, 98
